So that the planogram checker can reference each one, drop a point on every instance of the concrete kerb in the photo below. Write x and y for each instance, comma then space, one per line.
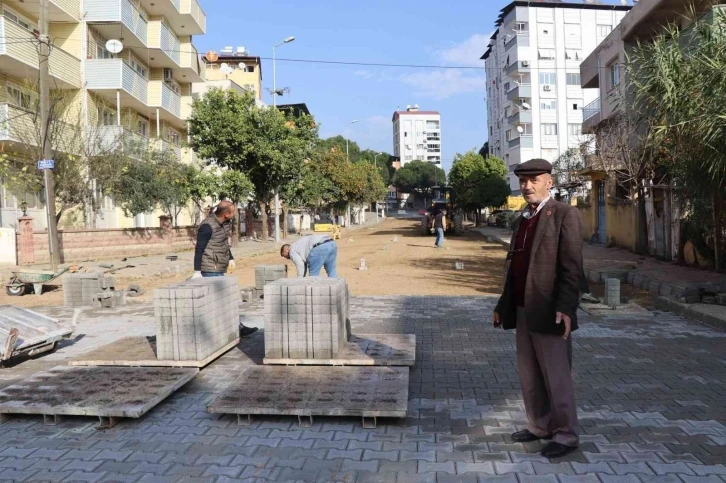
711, 315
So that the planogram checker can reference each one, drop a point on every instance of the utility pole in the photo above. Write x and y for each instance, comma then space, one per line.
44, 39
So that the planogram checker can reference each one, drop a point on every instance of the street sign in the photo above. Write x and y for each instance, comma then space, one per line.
46, 164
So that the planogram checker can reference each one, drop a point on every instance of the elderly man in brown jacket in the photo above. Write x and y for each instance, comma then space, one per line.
540, 298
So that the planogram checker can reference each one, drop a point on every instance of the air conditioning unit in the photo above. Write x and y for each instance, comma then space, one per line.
525, 63
168, 75
547, 88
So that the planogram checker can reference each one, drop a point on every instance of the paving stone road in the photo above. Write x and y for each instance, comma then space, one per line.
651, 393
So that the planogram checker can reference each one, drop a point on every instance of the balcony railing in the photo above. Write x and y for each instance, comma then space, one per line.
520, 39
170, 101
521, 91
523, 141
591, 109
19, 125
170, 45
114, 74
191, 7
131, 17
124, 11
518, 66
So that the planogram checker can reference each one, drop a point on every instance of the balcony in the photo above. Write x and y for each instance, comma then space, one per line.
106, 15
167, 147
58, 10
168, 101
167, 48
185, 17
20, 59
108, 139
518, 67
520, 116
522, 91
591, 116
193, 69
524, 141
17, 126
521, 39
106, 77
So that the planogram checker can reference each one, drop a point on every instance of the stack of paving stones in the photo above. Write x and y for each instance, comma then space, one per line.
265, 274
196, 318
84, 289
306, 318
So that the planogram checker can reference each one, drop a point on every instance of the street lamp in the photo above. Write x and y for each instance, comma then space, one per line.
346, 141
274, 105
375, 163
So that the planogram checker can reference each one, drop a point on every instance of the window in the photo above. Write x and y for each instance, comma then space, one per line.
408, 157
603, 30
614, 74
548, 105
249, 88
548, 78
508, 135
491, 130
574, 129
546, 29
20, 98
174, 138
573, 54
549, 129
106, 117
249, 68
19, 20
405, 134
102, 53
506, 112
573, 79
138, 67
432, 124
526, 129
520, 27
547, 54
577, 104
175, 87
572, 31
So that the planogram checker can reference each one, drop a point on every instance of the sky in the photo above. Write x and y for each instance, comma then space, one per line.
422, 32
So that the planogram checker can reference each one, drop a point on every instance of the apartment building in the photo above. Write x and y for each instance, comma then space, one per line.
417, 135
144, 91
613, 216
535, 99
232, 68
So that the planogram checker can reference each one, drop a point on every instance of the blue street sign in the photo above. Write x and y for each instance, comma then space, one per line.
46, 164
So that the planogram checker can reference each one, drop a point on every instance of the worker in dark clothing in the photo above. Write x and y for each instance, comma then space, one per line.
212, 255
440, 227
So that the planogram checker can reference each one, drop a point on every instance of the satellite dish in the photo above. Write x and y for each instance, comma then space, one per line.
212, 56
520, 130
225, 68
526, 106
114, 46
242, 66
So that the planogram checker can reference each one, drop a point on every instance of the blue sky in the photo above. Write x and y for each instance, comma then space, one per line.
382, 31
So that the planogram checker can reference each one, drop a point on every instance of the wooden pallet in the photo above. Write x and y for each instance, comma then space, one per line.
364, 350
109, 393
139, 352
305, 392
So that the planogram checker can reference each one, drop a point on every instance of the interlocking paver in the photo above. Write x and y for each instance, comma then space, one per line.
464, 403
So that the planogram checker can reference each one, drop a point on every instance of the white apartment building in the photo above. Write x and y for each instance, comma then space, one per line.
534, 96
417, 135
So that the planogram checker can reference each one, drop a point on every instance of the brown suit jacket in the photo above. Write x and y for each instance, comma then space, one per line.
555, 270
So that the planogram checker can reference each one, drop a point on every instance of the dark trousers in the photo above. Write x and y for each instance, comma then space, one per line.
544, 364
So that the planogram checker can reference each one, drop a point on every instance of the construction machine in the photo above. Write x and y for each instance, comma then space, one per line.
443, 199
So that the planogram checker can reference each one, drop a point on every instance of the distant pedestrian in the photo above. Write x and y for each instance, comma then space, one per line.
541, 293
440, 227
311, 253
212, 255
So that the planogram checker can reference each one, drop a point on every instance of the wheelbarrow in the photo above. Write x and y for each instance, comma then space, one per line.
37, 278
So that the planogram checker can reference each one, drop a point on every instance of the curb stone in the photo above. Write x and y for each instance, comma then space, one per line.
696, 312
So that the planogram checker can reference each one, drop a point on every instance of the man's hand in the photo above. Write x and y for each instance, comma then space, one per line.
568, 323
196, 275
496, 320
231, 267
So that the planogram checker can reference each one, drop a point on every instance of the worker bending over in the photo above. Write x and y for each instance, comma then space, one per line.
311, 253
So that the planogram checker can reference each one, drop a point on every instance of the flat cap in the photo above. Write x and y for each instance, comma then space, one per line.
533, 167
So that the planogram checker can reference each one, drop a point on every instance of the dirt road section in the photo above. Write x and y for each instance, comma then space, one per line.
399, 261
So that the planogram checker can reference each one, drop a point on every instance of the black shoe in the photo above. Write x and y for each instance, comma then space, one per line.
246, 331
527, 436
557, 450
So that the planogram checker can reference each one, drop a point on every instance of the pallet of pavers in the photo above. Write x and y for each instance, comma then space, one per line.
265, 274
109, 393
197, 321
24, 332
307, 322
305, 392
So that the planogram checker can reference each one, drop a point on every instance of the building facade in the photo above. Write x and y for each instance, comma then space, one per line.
417, 136
233, 68
616, 215
143, 92
534, 96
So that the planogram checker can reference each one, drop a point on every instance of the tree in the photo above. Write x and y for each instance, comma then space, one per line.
478, 182
203, 184
419, 177
338, 143
566, 169
484, 151
269, 147
381, 160
678, 80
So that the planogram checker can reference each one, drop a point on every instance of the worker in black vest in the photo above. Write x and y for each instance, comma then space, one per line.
213, 256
